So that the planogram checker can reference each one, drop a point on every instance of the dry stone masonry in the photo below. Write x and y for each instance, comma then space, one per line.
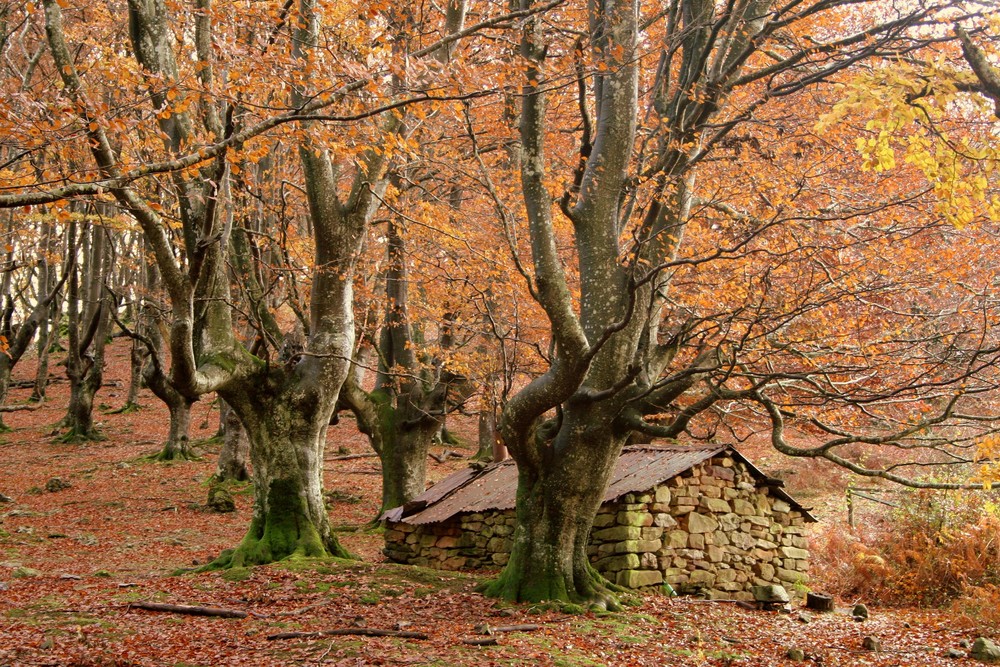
715, 529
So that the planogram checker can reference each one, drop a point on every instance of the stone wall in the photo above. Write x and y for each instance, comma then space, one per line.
466, 541
710, 531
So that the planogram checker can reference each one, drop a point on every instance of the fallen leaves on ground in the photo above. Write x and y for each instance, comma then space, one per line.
75, 560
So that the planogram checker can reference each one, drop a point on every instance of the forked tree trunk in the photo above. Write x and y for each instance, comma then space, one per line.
88, 334
178, 444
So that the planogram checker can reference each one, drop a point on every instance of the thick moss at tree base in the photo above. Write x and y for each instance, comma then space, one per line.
543, 582
176, 451
284, 531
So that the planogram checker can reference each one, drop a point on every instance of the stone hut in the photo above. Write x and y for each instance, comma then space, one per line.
702, 519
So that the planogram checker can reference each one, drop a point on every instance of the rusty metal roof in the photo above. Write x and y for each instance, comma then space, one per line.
639, 468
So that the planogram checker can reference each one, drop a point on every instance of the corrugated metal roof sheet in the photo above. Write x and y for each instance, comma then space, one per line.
639, 468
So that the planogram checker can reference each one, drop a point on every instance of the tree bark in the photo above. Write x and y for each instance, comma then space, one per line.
233, 463
88, 335
557, 500
289, 518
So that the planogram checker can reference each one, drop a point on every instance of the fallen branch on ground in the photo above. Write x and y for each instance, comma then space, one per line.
367, 632
193, 610
27, 407
489, 630
445, 455
480, 641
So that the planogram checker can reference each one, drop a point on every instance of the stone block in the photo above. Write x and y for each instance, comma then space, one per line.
648, 561
793, 552
725, 577
765, 570
664, 520
743, 541
647, 546
780, 506
447, 542
696, 541
717, 505
651, 533
792, 576
500, 559
606, 549
626, 547
676, 539
715, 554
702, 577
701, 523
639, 578
634, 518
743, 508
604, 520
617, 533
727, 474
729, 522
708, 491
662, 494
454, 563
618, 563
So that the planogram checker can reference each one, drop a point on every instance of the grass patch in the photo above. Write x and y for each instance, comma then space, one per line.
236, 574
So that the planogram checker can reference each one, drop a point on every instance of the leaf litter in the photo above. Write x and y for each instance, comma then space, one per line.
74, 563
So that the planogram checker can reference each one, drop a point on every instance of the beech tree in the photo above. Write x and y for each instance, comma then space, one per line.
630, 338
202, 113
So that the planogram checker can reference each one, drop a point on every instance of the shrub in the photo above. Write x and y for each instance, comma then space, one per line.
935, 549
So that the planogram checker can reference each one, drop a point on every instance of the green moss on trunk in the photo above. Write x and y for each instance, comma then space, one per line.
284, 531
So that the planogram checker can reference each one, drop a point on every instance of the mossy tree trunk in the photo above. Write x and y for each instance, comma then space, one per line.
287, 441
406, 410
178, 443
559, 493
401, 433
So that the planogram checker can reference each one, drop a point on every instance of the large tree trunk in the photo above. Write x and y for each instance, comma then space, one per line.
404, 457
289, 516
556, 504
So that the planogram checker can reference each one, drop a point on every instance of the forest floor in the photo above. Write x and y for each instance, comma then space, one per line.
75, 562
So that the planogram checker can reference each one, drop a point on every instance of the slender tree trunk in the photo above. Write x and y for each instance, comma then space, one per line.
137, 358
5, 370
88, 339
234, 457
